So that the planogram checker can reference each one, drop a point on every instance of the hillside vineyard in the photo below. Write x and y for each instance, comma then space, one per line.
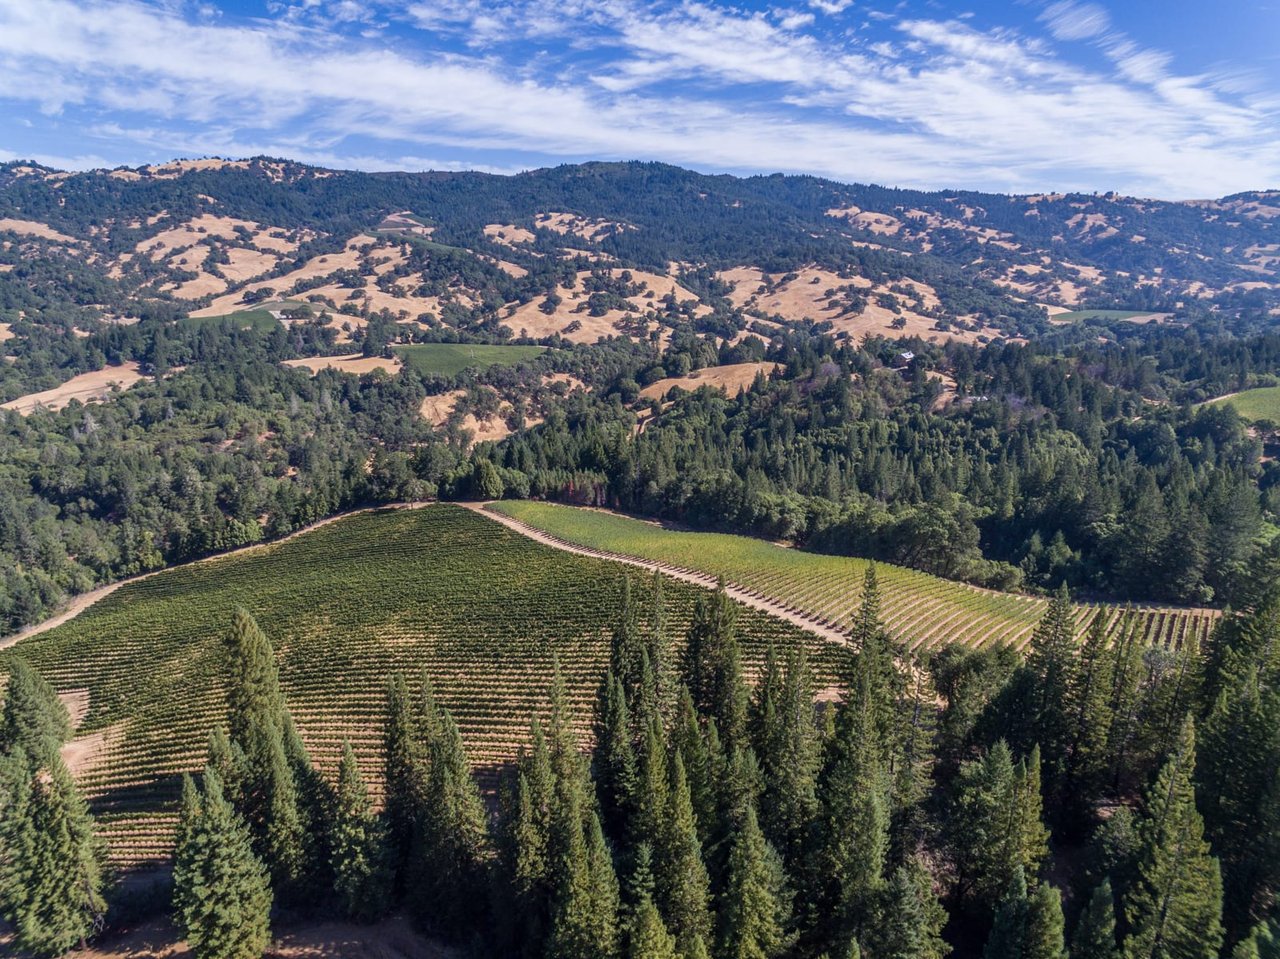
617, 561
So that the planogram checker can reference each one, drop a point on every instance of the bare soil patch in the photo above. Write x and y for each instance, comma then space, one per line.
728, 379
32, 228
508, 234
353, 363
87, 388
316, 267
176, 168
569, 224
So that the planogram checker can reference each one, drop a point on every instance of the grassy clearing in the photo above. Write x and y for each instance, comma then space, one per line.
450, 359
260, 320
484, 610
1262, 403
919, 609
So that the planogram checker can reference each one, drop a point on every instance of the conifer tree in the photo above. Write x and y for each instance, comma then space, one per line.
1008, 936
268, 796
528, 843
910, 922
1090, 716
1263, 942
651, 806
33, 720
1236, 773
757, 908
447, 869
614, 759
222, 898
582, 925
1028, 925
649, 937
1125, 701
786, 738
1052, 663
1045, 937
1028, 826
402, 772
995, 825
713, 668
914, 756
1174, 909
51, 863
359, 856
1095, 932
873, 666
681, 883
690, 743
853, 826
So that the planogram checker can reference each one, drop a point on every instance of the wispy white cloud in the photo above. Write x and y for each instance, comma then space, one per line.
1076, 21
936, 103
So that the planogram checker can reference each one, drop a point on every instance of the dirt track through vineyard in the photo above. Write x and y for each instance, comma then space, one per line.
810, 623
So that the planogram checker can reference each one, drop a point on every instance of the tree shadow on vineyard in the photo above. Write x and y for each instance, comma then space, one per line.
148, 796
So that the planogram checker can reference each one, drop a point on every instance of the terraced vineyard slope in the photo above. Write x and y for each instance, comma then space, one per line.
919, 609
484, 610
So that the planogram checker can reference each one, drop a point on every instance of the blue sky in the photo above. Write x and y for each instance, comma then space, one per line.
1164, 98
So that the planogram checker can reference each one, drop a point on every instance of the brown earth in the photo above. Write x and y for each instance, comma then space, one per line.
87, 387
727, 379
31, 228
353, 363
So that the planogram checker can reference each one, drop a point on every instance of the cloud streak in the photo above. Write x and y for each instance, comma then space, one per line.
921, 102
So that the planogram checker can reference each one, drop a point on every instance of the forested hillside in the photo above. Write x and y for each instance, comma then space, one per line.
904, 398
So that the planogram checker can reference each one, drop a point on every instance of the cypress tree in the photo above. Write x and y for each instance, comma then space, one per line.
756, 907
222, 898
33, 720
1174, 909
682, 886
1095, 933
359, 856
50, 861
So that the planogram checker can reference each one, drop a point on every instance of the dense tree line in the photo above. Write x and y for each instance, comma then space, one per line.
1106, 799
1046, 467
